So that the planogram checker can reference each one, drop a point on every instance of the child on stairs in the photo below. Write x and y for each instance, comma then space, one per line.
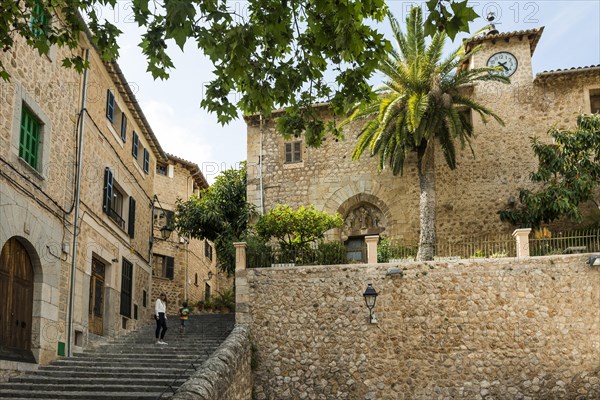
184, 313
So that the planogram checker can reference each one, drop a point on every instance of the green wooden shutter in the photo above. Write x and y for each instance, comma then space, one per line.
288, 152
146, 160
108, 191
29, 140
170, 267
135, 143
131, 220
126, 288
110, 105
123, 127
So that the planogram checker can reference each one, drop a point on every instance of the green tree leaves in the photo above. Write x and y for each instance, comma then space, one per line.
220, 214
295, 229
273, 53
569, 174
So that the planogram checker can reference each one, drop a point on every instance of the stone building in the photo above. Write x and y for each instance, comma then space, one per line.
469, 197
184, 268
41, 118
57, 125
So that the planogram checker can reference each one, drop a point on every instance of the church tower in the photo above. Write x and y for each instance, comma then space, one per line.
511, 51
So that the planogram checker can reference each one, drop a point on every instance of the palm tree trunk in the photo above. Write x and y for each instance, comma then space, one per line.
426, 169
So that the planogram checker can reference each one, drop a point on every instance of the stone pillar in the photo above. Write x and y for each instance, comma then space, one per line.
242, 315
522, 238
240, 255
372, 248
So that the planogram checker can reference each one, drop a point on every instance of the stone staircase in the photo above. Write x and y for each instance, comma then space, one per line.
130, 367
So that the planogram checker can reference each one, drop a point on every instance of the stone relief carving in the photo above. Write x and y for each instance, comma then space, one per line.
362, 220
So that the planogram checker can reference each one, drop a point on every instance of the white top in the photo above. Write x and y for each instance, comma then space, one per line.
160, 307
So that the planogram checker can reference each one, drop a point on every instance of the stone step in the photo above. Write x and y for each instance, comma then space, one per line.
83, 395
76, 374
131, 367
82, 387
140, 380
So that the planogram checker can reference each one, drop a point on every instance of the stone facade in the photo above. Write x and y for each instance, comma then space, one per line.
195, 276
226, 375
37, 199
478, 329
469, 197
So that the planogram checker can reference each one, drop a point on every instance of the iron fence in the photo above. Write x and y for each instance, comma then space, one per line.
578, 241
484, 246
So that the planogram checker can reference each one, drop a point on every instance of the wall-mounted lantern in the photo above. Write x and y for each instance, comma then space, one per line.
594, 261
370, 296
165, 232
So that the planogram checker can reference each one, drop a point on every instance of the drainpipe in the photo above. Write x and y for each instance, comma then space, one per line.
76, 221
260, 167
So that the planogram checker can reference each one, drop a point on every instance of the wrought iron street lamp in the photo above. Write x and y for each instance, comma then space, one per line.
370, 296
166, 231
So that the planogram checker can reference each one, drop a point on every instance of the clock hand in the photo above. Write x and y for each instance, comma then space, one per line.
503, 65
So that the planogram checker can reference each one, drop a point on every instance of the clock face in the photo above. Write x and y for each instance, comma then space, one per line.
506, 61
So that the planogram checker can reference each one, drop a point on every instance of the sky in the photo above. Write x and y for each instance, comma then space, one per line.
571, 38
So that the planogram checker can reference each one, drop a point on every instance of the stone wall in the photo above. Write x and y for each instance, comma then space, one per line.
226, 375
472, 329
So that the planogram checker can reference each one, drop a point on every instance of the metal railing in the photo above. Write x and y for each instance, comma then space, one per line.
485, 246
578, 241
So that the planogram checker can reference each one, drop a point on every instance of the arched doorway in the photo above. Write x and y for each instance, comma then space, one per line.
16, 299
362, 220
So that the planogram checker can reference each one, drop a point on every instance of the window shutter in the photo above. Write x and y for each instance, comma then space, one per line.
110, 105
288, 152
170, 267
108, 190
123, 128
131, 220
297, 151
135, 145
126, 288
146, 160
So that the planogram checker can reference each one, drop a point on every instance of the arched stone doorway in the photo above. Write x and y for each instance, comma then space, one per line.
360, 220
16, 300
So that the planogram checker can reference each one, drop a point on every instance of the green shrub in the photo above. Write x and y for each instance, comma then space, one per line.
224, 300
331, 253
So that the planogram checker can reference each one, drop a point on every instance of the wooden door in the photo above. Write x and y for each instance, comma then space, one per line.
96, 311
16, 296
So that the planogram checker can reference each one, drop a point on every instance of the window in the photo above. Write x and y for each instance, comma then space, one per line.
595, 101
146, 160
29, 140
40, 20
208, 250
206, 292
144, 298
114, 201
110, 105
161, 169
293, 152
126, 288
164, 266
115, 115
131, 219
123, 128
196, 279
135, 145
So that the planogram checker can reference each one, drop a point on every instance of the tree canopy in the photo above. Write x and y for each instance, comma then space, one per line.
568, 174
274, 53
220, 214
295, 229
420, 105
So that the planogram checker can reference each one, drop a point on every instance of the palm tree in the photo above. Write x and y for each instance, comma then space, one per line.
420, 102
